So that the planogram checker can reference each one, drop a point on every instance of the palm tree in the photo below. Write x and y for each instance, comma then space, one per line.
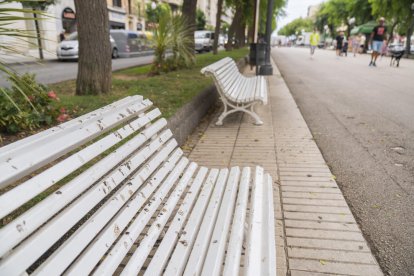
173, 33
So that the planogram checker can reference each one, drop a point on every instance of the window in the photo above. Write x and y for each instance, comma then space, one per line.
117, 3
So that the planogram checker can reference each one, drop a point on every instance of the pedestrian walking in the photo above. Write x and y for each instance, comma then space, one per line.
355, 44
362, 40
339, 43
345, 47
314, 41
384, 48
377, 38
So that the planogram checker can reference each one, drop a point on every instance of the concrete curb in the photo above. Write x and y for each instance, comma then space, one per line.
186, 119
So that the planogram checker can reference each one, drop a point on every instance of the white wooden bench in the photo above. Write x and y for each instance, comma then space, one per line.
237, 92
128, 202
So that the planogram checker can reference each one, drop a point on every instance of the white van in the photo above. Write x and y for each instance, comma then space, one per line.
203, 40
130, 43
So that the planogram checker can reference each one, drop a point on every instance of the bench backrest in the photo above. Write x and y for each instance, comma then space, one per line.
110, 171
79, 154
224, 72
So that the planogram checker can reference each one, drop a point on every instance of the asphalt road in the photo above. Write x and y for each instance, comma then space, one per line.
56, 71
362, 119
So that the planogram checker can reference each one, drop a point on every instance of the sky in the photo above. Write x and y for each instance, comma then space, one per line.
296, 9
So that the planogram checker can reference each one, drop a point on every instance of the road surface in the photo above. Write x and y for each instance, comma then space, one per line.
57, 71
362, 118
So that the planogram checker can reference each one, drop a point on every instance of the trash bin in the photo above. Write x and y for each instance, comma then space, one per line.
257, 54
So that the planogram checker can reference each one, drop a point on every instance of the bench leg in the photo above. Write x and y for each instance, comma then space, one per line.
222, 115
247, 109
255, 116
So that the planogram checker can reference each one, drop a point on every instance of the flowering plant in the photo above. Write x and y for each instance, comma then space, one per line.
27, 105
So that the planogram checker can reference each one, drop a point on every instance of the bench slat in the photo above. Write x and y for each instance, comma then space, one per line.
255, 241
67, 126
37, 244
29, 189
254, 91
199, 250
235, 92
126, 241
237, 87
64, 256
140, 255
94, 252
269, 253
182, 250
247, 91
14, 166
222, 67
229, 80
159, 260
24, 225
217, 245
232, 262
213, 67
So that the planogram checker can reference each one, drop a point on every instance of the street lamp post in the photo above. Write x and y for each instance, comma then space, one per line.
410, 32
351, 22
325, 32
267, 68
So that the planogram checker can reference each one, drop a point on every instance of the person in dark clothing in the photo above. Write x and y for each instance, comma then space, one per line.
62, 36
345, 47
378, 36
339, 43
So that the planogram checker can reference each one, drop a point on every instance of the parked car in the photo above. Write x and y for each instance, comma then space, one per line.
130, 43
69, 48
203, 40
222, 40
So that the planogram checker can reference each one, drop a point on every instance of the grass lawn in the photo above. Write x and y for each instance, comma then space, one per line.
168, 92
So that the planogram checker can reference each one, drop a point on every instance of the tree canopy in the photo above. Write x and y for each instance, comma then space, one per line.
296, 26
337, 13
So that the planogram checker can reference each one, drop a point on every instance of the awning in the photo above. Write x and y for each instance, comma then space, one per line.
366, 28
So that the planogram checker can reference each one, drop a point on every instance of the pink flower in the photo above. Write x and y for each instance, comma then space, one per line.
52, 95
62, 110
62, 117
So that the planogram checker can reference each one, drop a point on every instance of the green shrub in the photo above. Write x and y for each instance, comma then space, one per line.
28, 105
174, 34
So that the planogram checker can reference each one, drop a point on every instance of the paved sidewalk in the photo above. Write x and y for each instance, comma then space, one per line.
316, 233
32, 56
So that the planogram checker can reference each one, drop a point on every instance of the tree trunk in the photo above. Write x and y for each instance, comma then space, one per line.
95, 61
409, 34
250, 33
240, 33
39, 38
218, 24
189, 12
232, 29
254, 27
392, 32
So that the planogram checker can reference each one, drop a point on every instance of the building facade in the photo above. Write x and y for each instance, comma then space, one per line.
123, 14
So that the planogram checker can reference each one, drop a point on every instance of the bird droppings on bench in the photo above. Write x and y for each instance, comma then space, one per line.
142, 206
